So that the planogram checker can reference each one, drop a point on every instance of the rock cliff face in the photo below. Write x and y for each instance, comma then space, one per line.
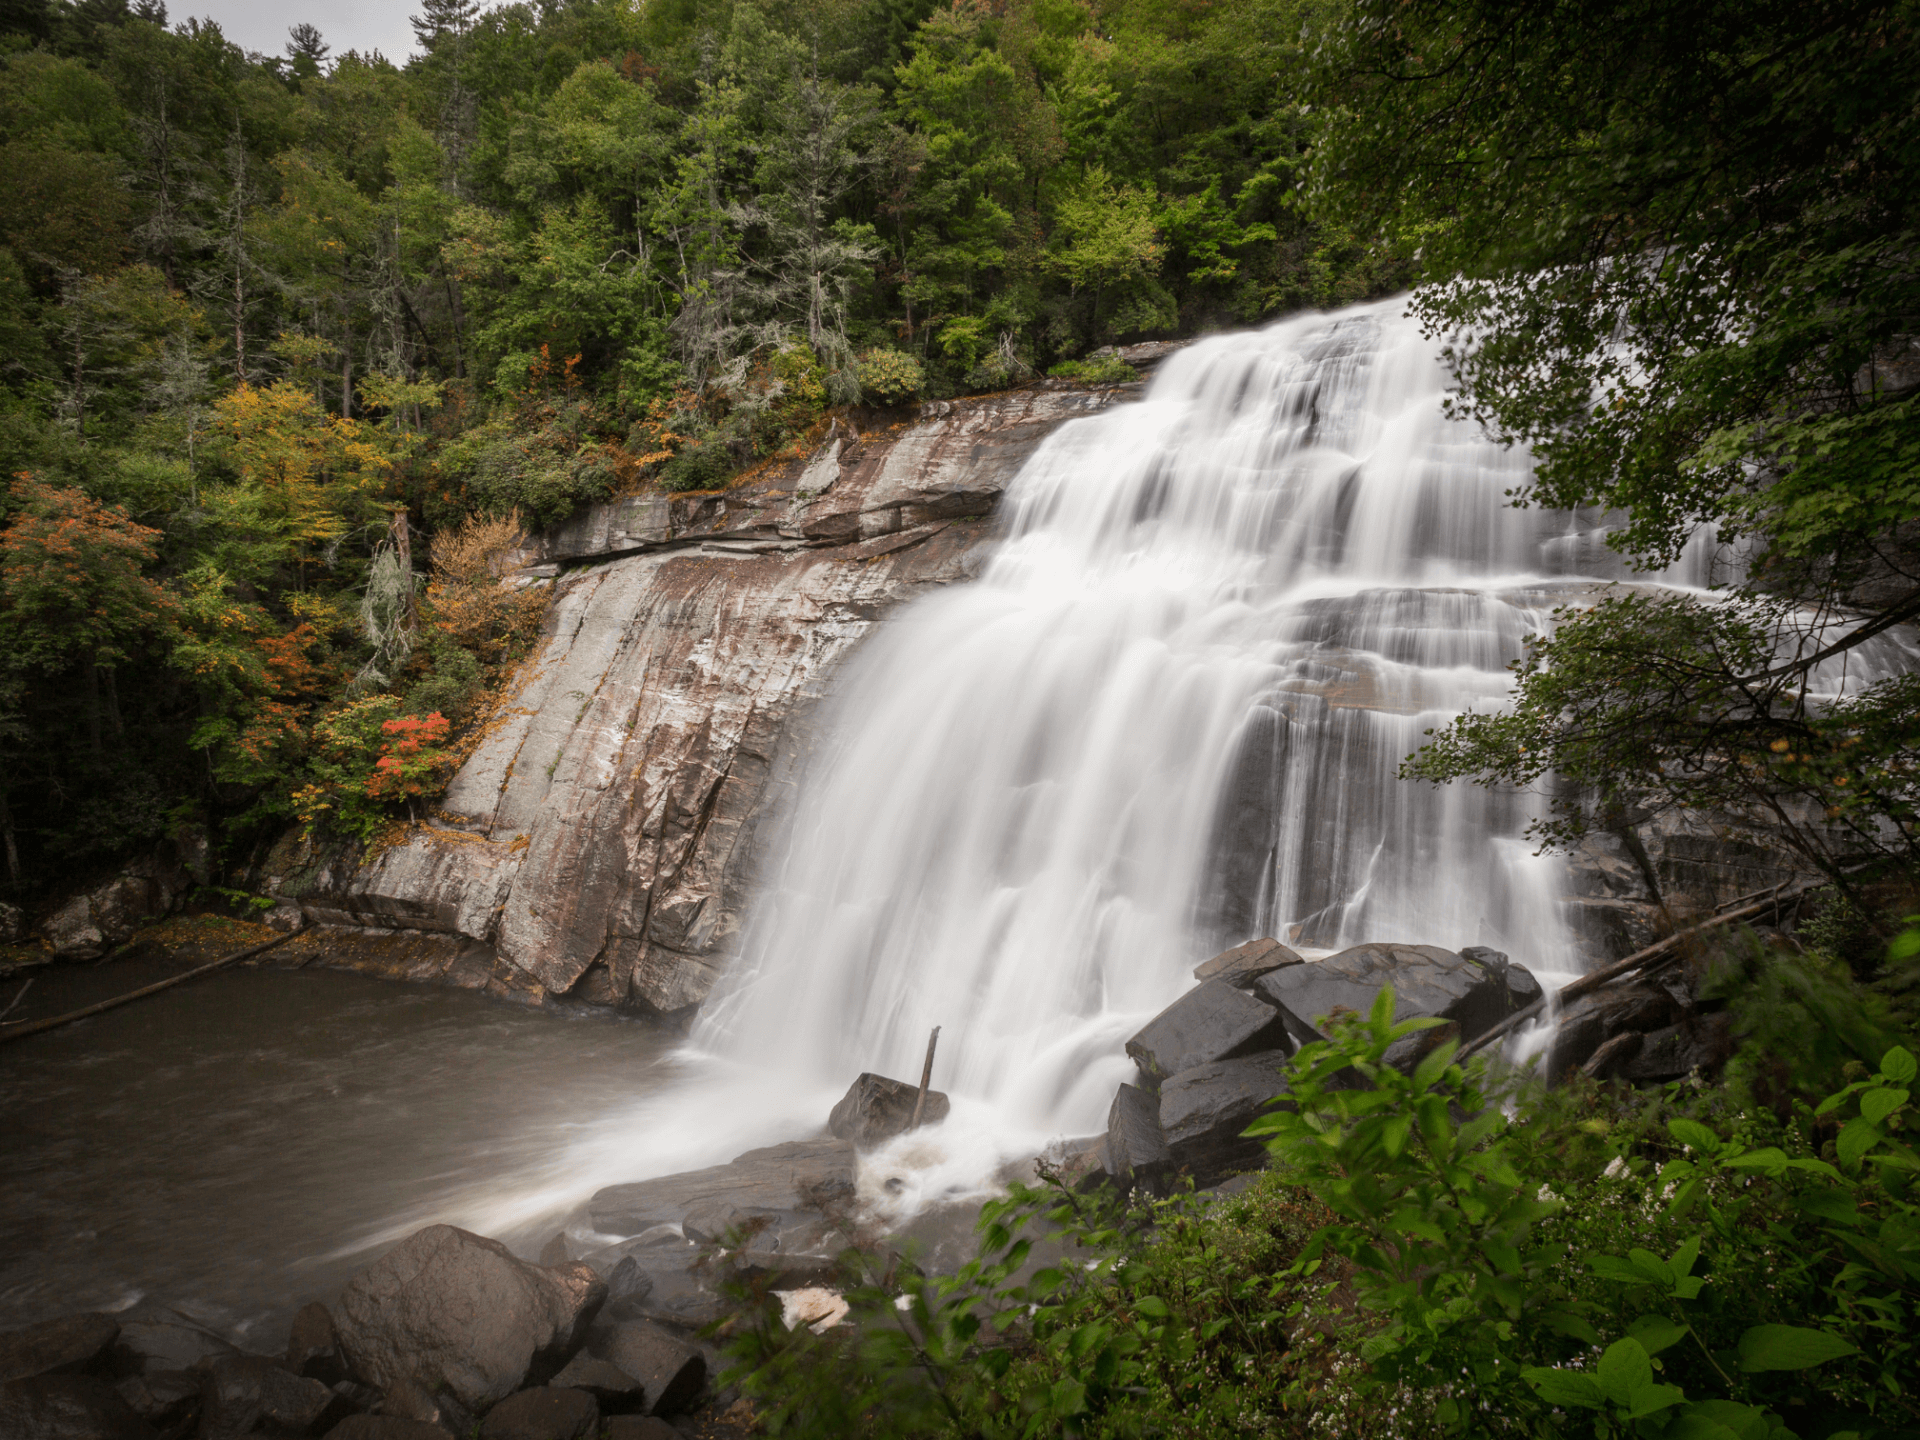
598, 844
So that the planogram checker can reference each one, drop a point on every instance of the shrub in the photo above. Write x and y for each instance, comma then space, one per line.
703, 464
890, 377
1098, 370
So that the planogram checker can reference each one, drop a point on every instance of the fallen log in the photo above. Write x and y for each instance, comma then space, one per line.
1639, 960
17, 1029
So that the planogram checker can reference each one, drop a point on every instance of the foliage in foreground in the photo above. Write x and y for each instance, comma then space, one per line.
1420, 1260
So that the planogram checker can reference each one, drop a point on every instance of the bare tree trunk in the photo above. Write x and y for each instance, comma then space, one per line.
13, 850
93, 708
403, 550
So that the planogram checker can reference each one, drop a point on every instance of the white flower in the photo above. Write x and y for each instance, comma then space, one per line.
1616, 1168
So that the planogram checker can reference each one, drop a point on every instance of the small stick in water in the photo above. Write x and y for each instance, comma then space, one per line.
926, 1076
17, 999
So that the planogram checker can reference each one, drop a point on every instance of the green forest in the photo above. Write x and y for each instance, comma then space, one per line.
281, 330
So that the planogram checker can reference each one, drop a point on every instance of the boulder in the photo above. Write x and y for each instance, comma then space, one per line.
164, 1340
1592, 1020
64, 1345
68, 1407
615, 1391
557, 1251
876, 1108
14, 928
1203, 1111
454, 1309
408, 1399
1475, 994
671, 1371
167, 1399
627, 1286
1213, 1022
1137, 1153
246, 1394
385, 1427
778, 1181
544, 1413
313, 1349
72, 934
1244, 964
1703, 1043
640, 1427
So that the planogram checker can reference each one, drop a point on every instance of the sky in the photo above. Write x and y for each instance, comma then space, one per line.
347, 24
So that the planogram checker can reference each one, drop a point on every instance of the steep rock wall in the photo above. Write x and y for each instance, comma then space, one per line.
599, 842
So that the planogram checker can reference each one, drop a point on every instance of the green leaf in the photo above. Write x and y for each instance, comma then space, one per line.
1898, 1065
1566, 1387
1692, 1132
1656, 1332
1789, 1347
1653, 1268
1624, 1368
1152, 1306
1877, 1105
1434, 1065
1856, 1140
1684, 1257
1612, 1267
1652, 1399
1393, 1135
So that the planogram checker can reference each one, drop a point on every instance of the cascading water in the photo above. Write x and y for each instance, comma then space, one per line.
1166, 719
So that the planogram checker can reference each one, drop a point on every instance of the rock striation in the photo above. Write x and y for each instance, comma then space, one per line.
599, 841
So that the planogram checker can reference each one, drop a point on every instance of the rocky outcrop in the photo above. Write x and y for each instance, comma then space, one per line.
598, 843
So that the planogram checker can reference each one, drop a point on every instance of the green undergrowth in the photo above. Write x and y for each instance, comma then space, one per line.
1452, 1252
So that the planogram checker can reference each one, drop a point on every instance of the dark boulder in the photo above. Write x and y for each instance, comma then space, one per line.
68, 1407
250, 1394
628, 1287
1426, 980
453, 1309
557, 1251
780, 1181
640, 1427
164, 1339
168, 1400
407, 1399
671, 1371
1203, 1111
385, 1427
1592, 1020
544, 1413
64, 1345
1213, 1022
876, 1108
1137, 1153
1522, 988
1703, 1043
615, 1391
313, 1349
1244, 964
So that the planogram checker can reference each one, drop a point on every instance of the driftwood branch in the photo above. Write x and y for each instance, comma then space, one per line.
1639, 960
926, 1078
19, 1028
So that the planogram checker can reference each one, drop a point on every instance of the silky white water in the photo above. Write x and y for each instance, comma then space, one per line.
1167, 719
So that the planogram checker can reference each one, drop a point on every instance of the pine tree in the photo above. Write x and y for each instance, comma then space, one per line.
308, 51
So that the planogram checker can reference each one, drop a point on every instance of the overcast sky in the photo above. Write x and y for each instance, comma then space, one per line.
348, 24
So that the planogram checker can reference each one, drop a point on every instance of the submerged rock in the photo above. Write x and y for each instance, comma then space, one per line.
778, 1182
1213, 1022
876, 1108
385, 1427
616, 1392
454, 1309
313, 1349
162, 1339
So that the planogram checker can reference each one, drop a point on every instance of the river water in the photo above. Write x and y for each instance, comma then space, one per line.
243, 1142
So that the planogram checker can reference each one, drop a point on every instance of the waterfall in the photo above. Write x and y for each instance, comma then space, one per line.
1167, 718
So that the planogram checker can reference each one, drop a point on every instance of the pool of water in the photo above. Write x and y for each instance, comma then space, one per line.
244, 1142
